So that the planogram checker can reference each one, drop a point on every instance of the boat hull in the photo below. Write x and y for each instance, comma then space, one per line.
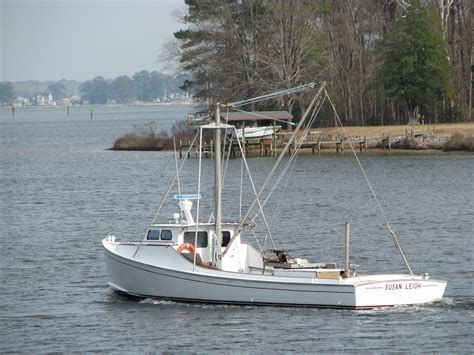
149, 281
257, 132
204, 285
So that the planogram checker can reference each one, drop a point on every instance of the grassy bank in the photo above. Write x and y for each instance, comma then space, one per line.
440, 129
459, 141
445, 136
134, 141
448, 137
145, 137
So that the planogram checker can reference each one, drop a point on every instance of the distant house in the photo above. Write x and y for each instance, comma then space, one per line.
50, 101
75, 99
40, 100
65, 101
20, 102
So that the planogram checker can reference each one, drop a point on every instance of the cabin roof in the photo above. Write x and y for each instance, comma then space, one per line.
256, 116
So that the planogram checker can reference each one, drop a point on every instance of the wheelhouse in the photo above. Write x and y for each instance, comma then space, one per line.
204, 241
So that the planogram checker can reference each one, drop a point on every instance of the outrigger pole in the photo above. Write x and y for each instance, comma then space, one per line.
295, 90
217, 186
282, 154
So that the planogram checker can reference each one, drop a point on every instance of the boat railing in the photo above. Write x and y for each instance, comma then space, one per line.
149, 243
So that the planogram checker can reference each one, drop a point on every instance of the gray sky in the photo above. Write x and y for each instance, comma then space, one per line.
81, 39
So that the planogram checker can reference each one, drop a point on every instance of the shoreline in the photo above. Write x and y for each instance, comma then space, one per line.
144, 104
421, 139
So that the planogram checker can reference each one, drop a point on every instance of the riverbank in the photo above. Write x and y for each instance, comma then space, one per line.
443, 136
446, 137
439, 129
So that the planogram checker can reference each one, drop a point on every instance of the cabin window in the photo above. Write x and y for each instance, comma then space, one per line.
225, 238
201, 238
153, 234
166, 235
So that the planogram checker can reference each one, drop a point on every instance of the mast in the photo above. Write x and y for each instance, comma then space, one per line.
217, 187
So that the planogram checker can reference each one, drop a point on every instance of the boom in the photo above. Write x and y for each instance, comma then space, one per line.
295, 90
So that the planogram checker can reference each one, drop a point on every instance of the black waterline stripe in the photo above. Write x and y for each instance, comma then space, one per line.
243, 303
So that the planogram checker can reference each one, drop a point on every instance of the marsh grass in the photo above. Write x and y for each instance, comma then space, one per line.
145, 137
408, 143
459, 141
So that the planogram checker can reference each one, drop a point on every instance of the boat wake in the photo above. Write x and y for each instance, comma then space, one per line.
455, 302
155, 301
162, 302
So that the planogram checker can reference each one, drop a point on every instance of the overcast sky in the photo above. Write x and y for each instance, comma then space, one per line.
81, 39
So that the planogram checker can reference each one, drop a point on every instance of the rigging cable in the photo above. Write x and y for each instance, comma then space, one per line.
167, 192
199, 194
291, 162
275, 166
255, 192
293, 157
392, 233
290, 166
177, 173
224, 168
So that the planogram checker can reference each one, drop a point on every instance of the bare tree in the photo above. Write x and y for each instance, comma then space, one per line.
242, 48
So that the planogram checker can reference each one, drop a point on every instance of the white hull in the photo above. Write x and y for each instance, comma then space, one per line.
160, 272
257, 132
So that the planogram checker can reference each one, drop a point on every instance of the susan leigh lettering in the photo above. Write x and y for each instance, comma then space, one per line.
402, 286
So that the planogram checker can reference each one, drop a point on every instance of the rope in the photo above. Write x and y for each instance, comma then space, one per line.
275, 166
295, 90
177, 172
392, 233
292, 160
198, 193
256, 239
167, 192
224, 168
175, 177
255, 192
290, 166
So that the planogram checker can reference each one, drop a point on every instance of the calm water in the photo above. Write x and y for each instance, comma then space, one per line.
61, 191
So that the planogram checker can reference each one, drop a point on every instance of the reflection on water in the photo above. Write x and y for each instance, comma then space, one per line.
61, 191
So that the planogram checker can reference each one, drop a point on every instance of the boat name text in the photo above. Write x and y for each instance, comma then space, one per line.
401, 286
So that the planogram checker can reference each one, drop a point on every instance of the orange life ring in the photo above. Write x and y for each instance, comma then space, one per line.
186, 246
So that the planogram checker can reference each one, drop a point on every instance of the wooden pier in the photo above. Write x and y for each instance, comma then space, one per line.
273, 145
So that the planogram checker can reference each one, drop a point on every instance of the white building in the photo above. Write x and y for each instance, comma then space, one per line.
40, 100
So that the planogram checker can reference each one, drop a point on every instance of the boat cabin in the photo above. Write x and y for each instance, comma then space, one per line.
182, 237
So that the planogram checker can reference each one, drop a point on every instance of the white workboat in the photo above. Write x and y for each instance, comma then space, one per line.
208, 262
257, 132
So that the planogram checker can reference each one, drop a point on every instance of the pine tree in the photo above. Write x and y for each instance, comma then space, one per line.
7, 94
416, 68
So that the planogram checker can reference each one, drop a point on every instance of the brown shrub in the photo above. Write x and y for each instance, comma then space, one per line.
459, 141
145, 137
408, 143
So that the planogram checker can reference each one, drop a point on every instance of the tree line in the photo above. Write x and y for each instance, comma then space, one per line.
385, 61
142, 86
8, 93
